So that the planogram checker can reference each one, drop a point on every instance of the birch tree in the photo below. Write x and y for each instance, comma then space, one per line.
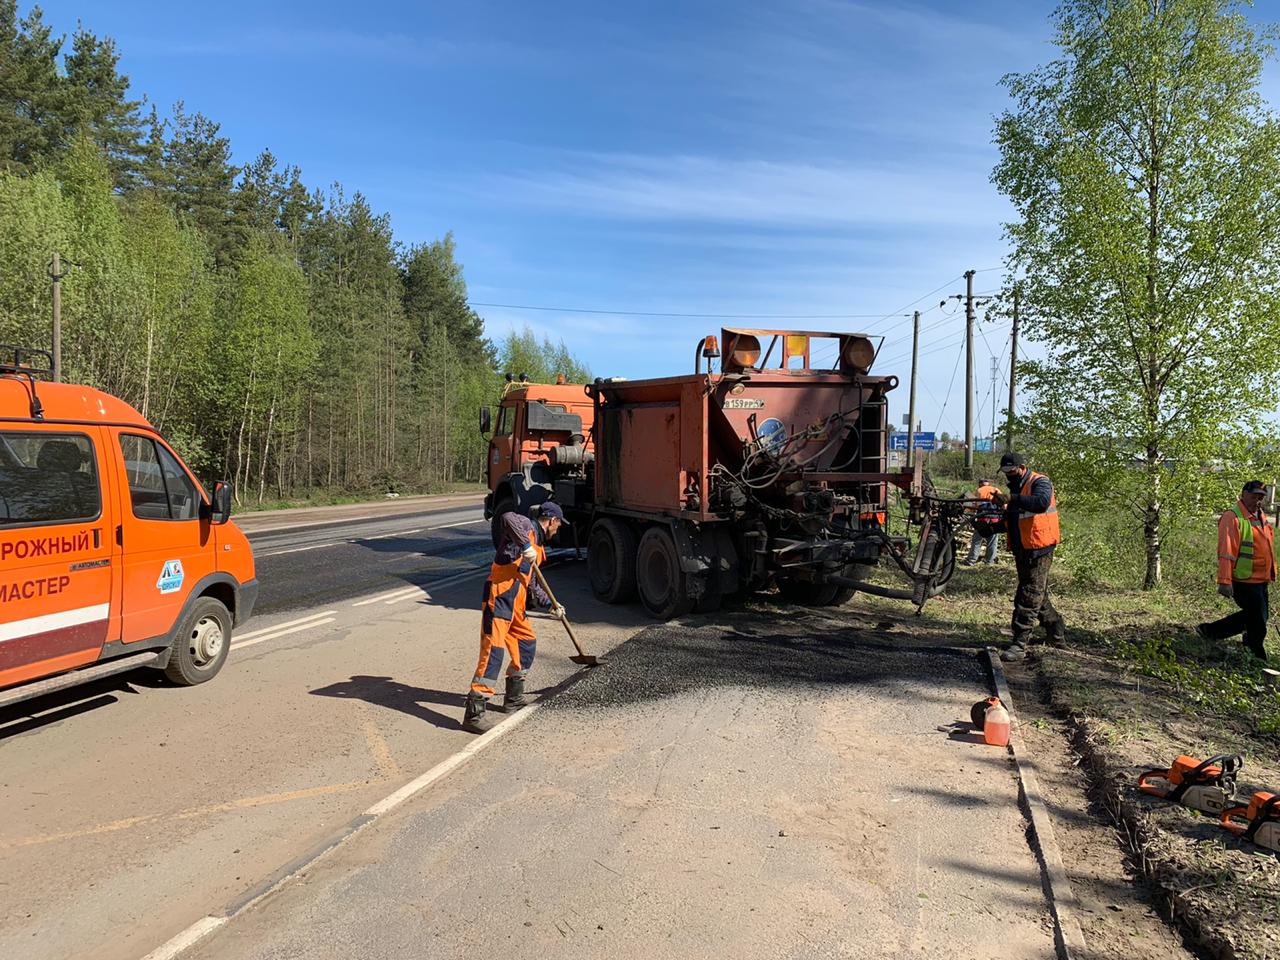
1144, 167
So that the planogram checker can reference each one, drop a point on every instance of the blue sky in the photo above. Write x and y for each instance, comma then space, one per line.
814, 157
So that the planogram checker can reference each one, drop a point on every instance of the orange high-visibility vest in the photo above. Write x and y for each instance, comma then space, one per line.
1038, 530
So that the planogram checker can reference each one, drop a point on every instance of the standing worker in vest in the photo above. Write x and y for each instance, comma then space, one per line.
503, 623
988, 518
1246, 564
1031, 522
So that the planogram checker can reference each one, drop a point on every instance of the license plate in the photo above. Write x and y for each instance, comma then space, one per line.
743, 403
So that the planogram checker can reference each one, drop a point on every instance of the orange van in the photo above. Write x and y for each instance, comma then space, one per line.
112, 555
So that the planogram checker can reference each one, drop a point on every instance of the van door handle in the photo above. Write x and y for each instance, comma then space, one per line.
120, 535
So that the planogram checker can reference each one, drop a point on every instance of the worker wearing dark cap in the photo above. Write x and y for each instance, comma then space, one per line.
503, 623
1246, 564
1031, 524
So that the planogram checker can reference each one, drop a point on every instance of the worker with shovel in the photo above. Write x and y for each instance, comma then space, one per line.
503, 623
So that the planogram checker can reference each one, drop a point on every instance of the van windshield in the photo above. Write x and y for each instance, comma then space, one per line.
47, 478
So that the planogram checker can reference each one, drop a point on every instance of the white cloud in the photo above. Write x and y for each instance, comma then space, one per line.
705, 189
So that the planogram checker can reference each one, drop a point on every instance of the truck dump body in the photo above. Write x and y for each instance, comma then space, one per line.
665, 445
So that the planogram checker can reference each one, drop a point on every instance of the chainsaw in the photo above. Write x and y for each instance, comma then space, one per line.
1261, 820
1208, 786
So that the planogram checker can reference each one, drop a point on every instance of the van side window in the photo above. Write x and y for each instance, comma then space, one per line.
158, 486
506, 420
47, 478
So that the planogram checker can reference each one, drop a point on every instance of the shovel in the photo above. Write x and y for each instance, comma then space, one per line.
584, 659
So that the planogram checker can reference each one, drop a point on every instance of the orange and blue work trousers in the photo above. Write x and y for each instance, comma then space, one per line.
504, 626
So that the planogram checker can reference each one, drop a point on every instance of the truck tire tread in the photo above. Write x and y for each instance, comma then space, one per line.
657, 557
611, 537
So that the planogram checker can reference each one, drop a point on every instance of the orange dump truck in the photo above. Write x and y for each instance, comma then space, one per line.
691, 488
112, 555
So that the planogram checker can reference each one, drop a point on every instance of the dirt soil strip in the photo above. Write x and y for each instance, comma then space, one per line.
1067, 935
1223, 893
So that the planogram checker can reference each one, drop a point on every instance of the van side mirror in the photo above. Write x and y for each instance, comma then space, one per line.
221, 510
486, 422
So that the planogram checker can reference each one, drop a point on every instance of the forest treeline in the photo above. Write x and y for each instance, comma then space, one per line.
277, 334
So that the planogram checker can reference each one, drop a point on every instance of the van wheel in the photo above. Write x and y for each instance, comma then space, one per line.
660, 577
201, 646
611, 561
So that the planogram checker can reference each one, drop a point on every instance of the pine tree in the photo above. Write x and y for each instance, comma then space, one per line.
200, 175
98, 106
33, 99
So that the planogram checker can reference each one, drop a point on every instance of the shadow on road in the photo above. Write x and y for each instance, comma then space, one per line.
64, 704
390, 693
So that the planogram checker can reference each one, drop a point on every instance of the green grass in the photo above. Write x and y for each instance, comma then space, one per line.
1096, 585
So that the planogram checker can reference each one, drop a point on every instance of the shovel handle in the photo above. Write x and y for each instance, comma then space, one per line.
546, 587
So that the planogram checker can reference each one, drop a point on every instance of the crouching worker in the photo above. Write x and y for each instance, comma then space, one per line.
503, 623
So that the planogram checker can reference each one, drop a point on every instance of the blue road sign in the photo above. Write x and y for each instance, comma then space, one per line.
923, 441
982, 445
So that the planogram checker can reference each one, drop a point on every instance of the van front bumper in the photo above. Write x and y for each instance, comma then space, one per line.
248, 597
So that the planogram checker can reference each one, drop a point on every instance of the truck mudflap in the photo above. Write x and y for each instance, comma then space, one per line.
707, 554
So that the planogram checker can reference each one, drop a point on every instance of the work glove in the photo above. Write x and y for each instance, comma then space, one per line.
557, 611
1225, 590
530, 554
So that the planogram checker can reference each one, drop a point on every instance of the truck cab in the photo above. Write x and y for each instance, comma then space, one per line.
541, 430
112, 554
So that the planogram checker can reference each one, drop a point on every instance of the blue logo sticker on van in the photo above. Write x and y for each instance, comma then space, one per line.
171, 577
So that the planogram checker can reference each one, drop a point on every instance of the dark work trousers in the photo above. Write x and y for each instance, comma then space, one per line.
1250, 619
1031, 603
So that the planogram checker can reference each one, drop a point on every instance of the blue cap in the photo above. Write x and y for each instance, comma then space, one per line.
552, 509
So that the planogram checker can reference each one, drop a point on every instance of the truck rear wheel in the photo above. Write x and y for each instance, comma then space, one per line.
201, 644
611, 561
659, 576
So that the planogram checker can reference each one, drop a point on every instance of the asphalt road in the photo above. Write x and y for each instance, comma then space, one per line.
751, 787
130, 808
766, 783
310, 562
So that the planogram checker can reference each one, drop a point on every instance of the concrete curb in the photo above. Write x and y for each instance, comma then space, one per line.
1068, 938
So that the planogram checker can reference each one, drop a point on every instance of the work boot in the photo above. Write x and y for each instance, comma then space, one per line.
473, 718
515, 697
1016, 651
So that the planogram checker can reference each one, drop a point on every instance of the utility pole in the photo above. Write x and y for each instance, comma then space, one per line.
56, 274
995, 375
1013, 368
968, 374
911, 415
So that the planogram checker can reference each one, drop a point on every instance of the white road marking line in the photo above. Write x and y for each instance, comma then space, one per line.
398, 591
378, 536
314, 546
280, 626
456, 578
396, 533
314, 523
281, 633
452, 763
187, 938
417, 594
206, 925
